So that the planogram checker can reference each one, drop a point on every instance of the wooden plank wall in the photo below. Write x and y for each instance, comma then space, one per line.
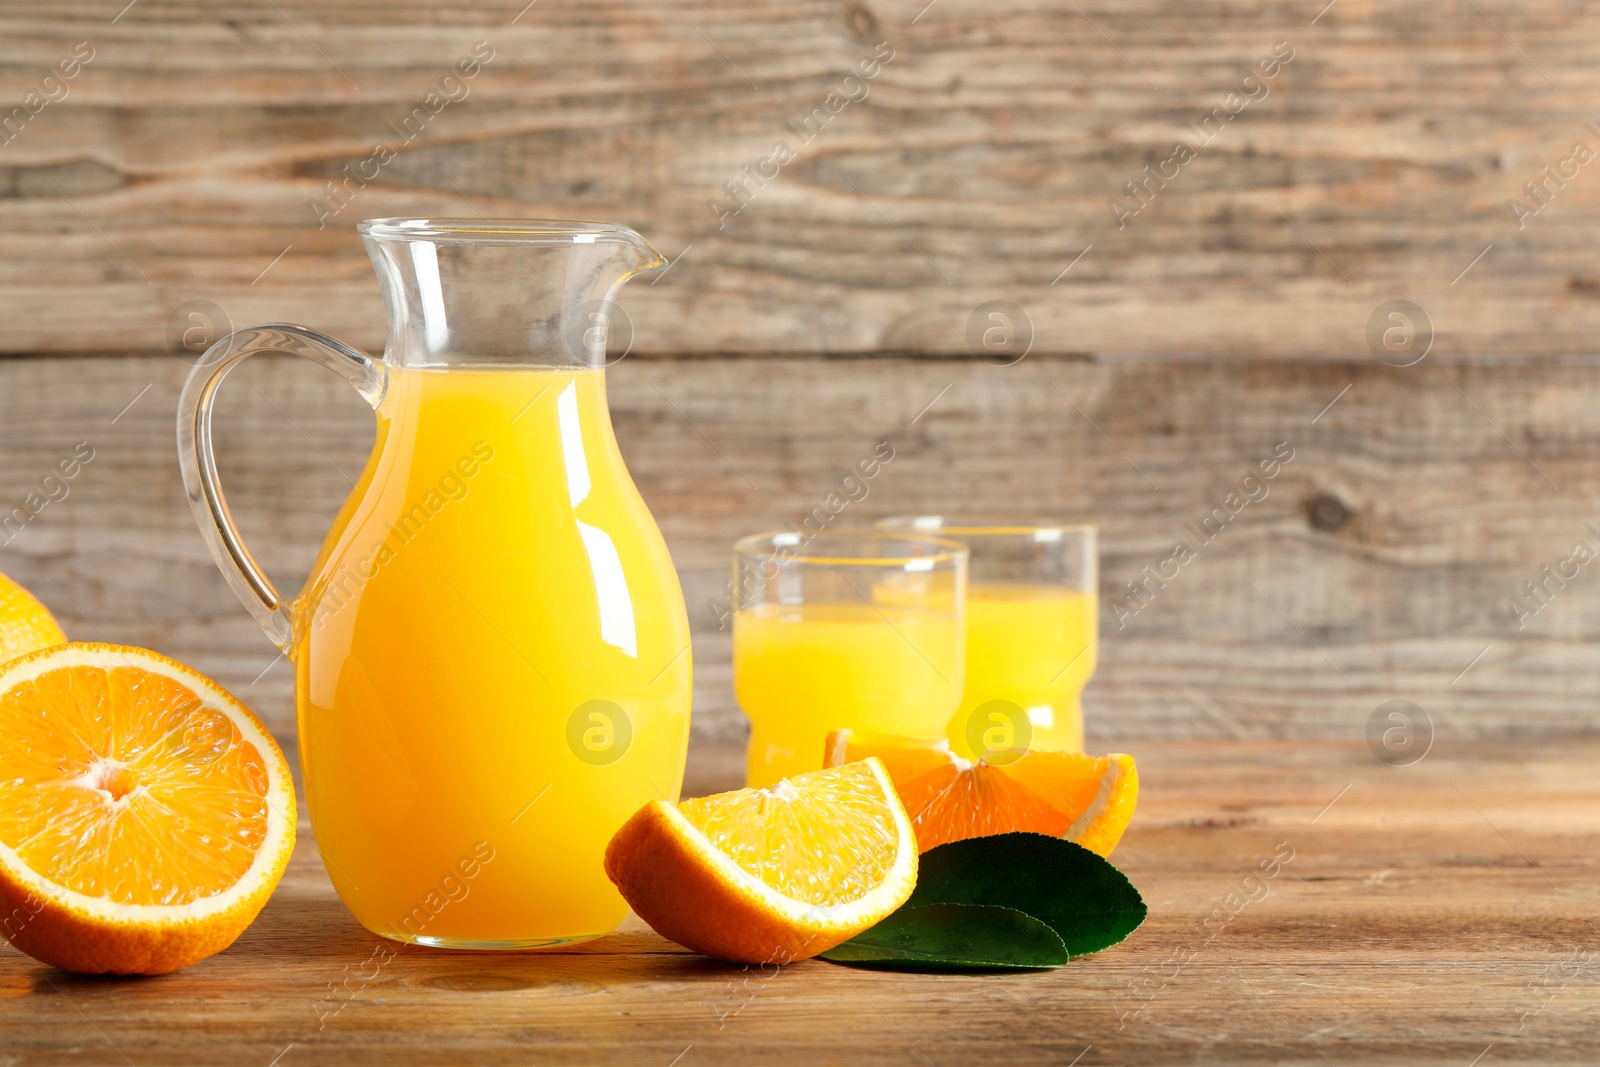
979, 161
180, 171
1380, 563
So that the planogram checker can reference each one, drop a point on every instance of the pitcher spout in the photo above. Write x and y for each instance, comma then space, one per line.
502, 292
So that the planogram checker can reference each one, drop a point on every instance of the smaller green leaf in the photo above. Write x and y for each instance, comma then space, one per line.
1085, 899
954, 937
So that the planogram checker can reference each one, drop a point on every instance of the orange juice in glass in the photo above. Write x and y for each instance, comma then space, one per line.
843, 629
1032, 629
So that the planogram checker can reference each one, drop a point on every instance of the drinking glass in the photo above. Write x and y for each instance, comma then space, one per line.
857, 629
1032, 630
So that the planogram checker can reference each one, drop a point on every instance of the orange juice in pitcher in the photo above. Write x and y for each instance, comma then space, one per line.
492, 653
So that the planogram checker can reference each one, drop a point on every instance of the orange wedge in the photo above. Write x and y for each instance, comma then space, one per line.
25, 624
145, 814
1086, 799
770, 875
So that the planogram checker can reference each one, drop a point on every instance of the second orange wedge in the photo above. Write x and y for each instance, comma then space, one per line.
1085, 799
769, 875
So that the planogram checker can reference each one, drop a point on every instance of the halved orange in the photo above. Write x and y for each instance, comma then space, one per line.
1086, 799
25, 624
770, 875
145, 814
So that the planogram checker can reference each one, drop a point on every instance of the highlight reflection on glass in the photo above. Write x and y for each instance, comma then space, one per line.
605, 563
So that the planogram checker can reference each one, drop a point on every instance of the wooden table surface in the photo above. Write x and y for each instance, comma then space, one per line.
1429, 914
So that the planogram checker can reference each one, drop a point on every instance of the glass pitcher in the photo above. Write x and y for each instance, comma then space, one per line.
491, 654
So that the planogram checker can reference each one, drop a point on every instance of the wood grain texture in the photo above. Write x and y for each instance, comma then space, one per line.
978, 165
1429, 913
1380, 564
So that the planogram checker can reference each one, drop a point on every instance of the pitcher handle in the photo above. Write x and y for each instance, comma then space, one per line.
199, 461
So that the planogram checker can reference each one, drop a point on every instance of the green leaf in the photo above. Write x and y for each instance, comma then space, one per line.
954, 937
1086, 900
